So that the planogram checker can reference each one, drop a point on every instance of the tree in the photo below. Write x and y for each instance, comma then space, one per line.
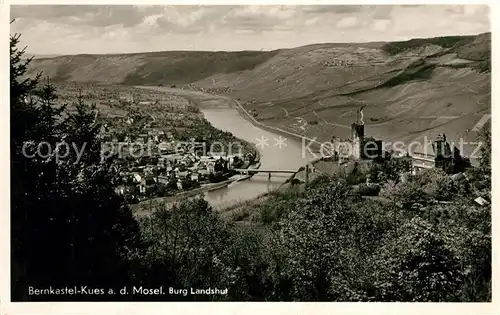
485, 159
390, 169
314, 252
417, 266
68, 226
186, 242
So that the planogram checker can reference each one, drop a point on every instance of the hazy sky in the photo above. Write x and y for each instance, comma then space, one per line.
53, 29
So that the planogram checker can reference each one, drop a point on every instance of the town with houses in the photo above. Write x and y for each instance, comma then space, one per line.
157, 162
160, 144
156, 165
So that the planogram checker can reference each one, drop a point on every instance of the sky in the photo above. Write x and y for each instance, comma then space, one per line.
99, 29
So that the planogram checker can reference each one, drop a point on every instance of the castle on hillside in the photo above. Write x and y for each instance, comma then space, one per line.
438, 154
432, 154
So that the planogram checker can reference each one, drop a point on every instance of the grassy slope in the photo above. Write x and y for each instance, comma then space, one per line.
402, 84
170, 67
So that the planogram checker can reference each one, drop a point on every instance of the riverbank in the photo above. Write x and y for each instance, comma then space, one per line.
194, 192
153, 202
299, 138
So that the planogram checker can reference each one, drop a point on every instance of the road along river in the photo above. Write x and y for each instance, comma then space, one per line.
223, 114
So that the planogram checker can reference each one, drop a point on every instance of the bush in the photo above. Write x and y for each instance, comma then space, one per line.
407, 194
389, 170
369, 189
418, 266
448, 189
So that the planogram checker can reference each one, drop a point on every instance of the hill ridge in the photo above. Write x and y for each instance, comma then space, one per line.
402, 82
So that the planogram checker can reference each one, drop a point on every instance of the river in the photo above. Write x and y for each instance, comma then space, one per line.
222, 113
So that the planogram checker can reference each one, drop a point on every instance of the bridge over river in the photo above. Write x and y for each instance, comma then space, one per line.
259, 170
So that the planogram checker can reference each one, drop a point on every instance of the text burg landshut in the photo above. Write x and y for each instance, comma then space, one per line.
175, 291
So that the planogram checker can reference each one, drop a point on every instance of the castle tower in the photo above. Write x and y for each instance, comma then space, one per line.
441, 147
442, 151
357, 136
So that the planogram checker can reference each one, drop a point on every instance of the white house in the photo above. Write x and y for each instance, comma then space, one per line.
120, 190
210, 167
163, 179
481, 201
203, 171
164, 146
423, 157
137, 177
142, 188
195, 177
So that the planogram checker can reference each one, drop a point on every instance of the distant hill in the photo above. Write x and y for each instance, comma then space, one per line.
35, 56
169, 67
411, 89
